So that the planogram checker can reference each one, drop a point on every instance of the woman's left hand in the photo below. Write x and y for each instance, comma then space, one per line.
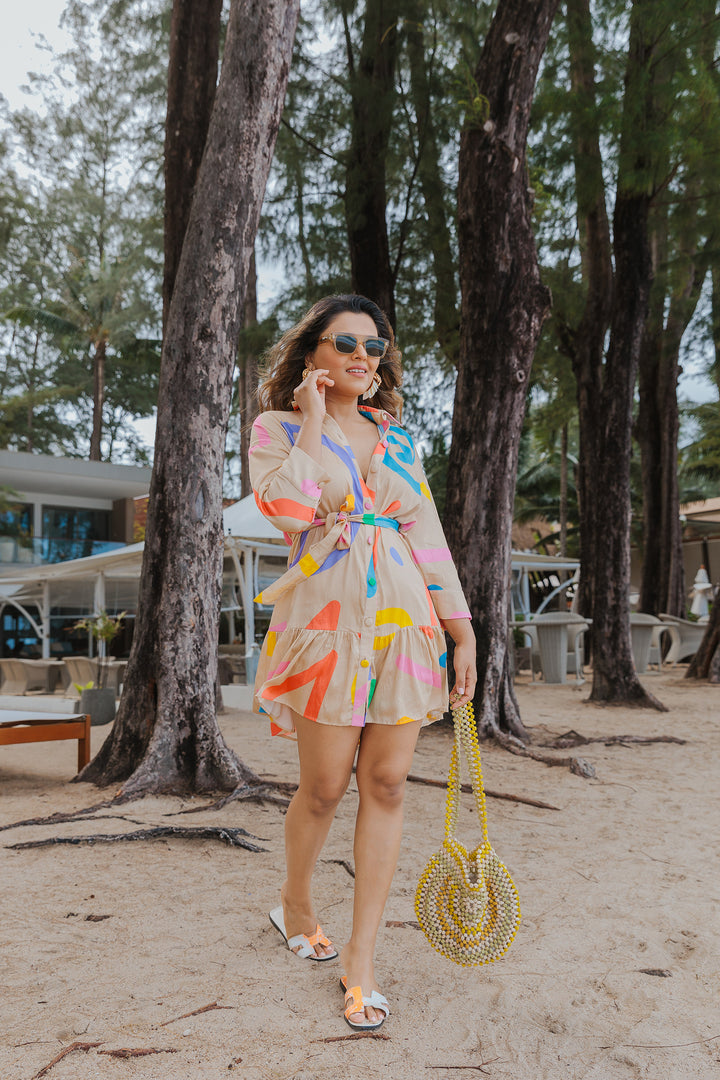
464, 661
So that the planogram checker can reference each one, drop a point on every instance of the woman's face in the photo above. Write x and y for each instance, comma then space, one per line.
352, 372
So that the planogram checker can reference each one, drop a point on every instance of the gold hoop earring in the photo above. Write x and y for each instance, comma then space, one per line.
373, 387
306, 372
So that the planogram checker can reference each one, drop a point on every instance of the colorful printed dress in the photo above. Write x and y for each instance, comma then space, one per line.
354, 637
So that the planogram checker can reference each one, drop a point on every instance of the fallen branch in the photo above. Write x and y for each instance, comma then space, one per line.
64, 1053
662, 973
196, 1012
467, 788
404, 922
342, 862
232, 837
477, 1068
352, 1038
122, 1052
656, 1046
574, 738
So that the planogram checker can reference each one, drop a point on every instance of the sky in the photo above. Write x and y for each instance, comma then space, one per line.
23, 21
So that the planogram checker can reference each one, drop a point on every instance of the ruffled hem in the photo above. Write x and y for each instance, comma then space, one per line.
317, 673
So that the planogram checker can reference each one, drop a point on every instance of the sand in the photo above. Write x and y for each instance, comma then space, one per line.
622, 877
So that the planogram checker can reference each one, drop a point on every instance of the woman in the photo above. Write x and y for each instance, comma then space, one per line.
355, 657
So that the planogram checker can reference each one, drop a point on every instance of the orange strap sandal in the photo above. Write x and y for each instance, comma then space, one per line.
357, 1002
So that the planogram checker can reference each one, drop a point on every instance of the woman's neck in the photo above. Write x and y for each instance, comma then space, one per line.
343, 410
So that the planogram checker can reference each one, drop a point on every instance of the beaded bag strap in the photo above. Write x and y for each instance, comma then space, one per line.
466, 737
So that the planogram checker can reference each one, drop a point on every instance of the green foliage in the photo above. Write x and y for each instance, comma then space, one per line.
83, 243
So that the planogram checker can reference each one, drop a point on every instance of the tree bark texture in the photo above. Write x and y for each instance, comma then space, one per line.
192, 78
165, 736
98, 399
502, 310
372, 84
705, 664
248, 380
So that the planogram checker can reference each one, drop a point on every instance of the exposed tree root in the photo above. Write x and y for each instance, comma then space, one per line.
574, 738
477, 1068
74, 815
232, 837
467, 788
579, 766
64, 1053
633, 697
260, 792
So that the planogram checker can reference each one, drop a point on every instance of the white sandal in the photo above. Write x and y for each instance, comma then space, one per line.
302, 944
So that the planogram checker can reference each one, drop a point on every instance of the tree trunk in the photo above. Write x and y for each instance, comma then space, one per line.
166, 737
658, 425
585, 344
705, 664
248, 381
503, 308
192, 77
615, 680
563, 490
98, 398
372, 86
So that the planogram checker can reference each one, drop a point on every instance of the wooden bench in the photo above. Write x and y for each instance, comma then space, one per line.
19, 727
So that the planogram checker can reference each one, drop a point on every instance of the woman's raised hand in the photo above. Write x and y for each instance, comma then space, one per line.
309, 396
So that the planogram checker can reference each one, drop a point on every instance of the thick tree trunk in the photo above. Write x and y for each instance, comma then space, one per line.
166, 737
248, 380
585, 344
98, 399
192, 77
503, 308
615, 680
372, 90
705, 663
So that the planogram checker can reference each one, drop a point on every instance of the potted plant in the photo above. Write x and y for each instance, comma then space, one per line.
99, 700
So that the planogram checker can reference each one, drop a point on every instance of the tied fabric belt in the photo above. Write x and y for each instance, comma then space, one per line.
338, 536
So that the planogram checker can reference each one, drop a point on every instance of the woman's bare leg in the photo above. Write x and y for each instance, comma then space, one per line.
384, 761
326, 758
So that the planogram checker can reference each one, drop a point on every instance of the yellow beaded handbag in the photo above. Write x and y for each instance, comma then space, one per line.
466, 903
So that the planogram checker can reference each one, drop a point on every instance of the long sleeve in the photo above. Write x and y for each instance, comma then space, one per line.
286, 481
423, 531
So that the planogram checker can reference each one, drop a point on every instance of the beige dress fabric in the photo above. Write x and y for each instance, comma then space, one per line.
355, 636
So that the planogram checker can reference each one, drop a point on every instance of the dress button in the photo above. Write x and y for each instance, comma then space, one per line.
368, 504
368, 622
364, 663
369, 539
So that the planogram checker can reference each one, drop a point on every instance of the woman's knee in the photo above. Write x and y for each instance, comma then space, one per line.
382, 783
323, 794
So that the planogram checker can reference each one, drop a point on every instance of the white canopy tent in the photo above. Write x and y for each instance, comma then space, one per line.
109, 581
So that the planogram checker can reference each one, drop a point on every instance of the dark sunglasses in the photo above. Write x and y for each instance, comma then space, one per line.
376, 347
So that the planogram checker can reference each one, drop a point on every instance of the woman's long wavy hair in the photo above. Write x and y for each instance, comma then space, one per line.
284, 362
